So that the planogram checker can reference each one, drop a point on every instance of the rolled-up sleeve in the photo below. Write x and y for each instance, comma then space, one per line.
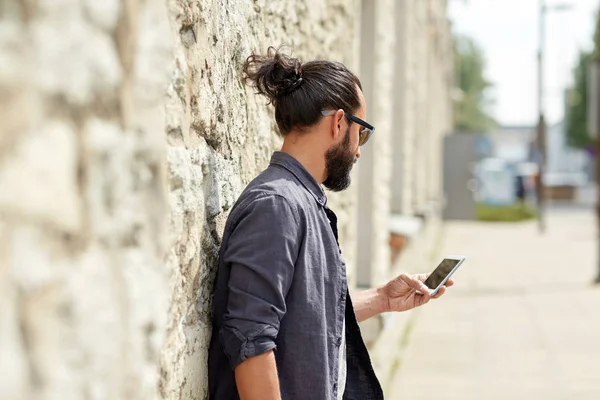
261, 252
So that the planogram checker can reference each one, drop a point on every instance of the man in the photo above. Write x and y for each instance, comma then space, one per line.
284, 325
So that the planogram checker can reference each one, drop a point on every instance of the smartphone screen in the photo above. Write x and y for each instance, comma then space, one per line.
440, 273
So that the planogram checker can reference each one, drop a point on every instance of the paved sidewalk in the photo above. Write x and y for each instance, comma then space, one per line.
522, 322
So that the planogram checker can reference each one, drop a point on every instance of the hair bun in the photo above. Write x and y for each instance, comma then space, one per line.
294, 85
274, 74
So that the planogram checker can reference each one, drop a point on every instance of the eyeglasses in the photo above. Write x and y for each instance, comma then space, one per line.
364, 134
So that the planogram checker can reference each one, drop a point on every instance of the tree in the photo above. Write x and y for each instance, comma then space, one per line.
471, 105
577, 127
577, 109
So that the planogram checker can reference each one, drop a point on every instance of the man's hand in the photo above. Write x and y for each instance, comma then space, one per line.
400, 294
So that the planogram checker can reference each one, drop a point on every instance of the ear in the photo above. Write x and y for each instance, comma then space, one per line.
336, 124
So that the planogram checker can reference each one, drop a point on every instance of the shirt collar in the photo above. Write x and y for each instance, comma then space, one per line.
306, 179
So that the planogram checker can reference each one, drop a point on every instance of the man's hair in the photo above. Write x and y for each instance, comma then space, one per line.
299, 92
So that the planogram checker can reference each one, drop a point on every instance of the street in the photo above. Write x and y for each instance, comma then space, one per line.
523, 320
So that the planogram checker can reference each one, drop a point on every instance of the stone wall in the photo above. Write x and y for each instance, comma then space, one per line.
417, 123
405, 65
83, 211
422, 105
125, 137
219, 136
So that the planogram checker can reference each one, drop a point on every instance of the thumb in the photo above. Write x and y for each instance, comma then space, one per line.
416, 284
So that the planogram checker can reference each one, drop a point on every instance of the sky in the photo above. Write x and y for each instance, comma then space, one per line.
507, 31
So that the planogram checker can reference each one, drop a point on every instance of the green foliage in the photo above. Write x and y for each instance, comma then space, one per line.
513, 213
471, 106
576, 118
577, 128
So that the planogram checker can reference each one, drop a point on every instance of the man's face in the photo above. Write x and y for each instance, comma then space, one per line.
340, 157
339, 160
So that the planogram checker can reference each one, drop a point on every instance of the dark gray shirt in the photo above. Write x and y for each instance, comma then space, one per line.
282, 285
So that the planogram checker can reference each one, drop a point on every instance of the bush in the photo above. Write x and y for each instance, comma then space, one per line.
512, 213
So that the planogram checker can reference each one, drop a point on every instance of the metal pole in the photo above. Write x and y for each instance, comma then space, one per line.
596, 63
541, 131
597, 156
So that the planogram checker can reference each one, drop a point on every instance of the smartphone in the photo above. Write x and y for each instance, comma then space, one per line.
442, 273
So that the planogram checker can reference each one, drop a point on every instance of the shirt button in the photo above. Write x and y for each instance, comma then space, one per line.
339, 341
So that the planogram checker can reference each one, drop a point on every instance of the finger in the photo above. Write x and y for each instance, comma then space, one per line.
449, 283
421, 299
421, 277
415, 284
440, 292
423, 295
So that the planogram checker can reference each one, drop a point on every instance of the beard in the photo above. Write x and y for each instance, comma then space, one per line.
338, 164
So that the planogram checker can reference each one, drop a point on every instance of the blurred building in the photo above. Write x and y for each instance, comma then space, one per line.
125, 137
565, 165
512, 143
